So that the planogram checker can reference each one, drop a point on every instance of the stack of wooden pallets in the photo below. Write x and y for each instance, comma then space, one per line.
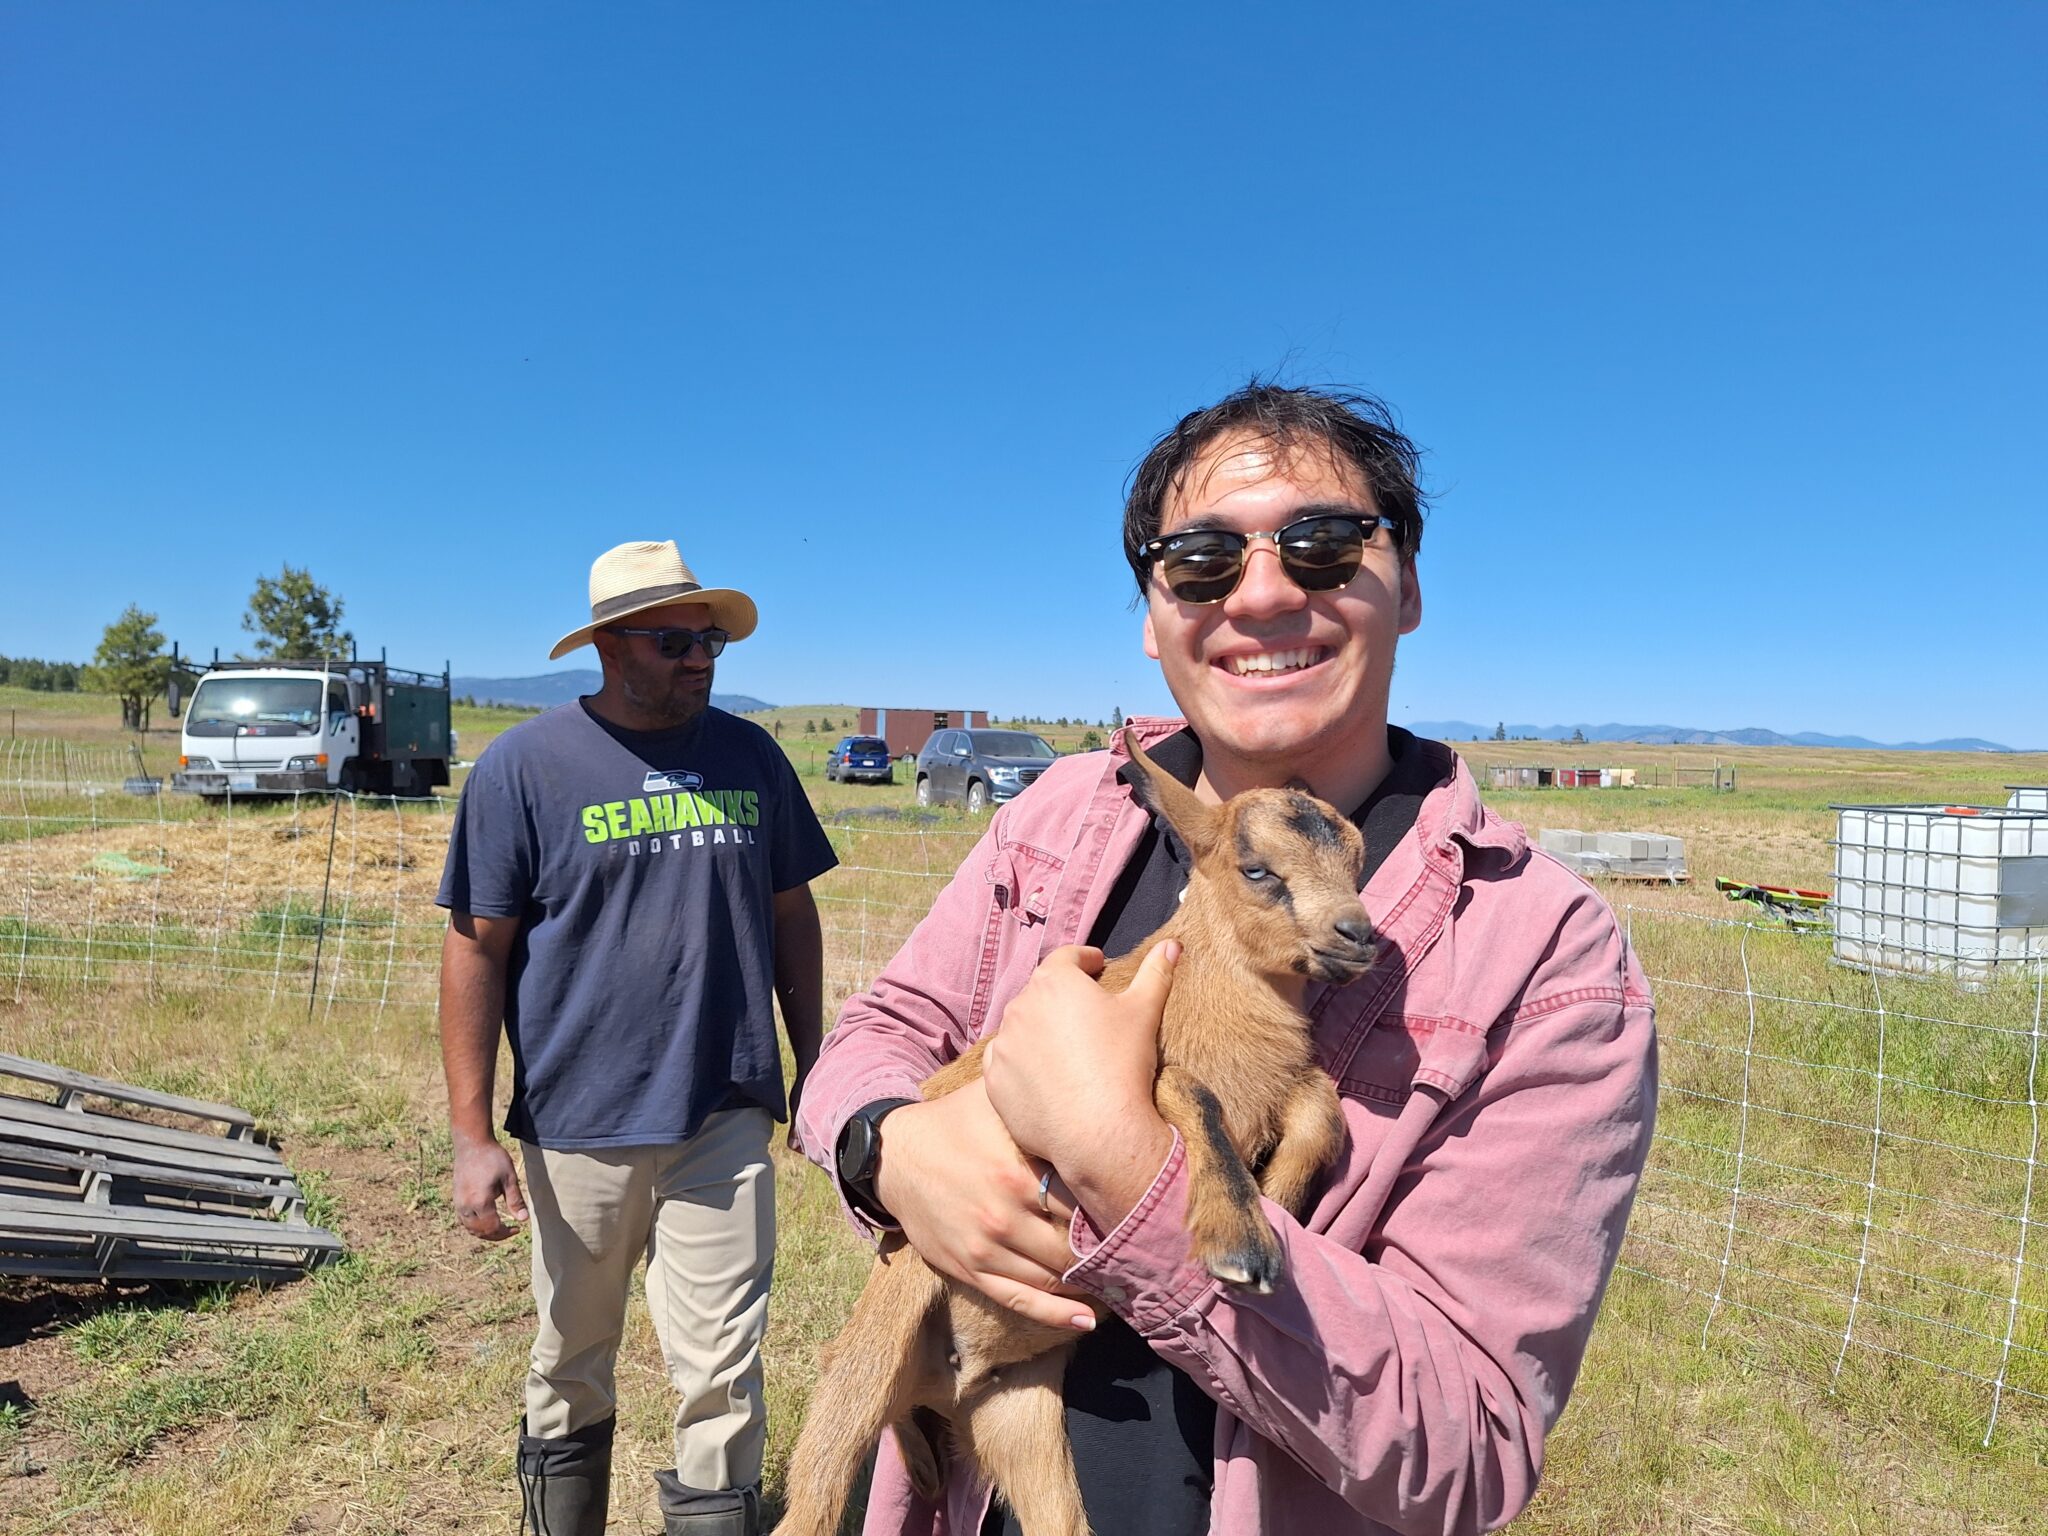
144, 1186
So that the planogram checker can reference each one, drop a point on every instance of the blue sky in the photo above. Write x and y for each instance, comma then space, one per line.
1721, 325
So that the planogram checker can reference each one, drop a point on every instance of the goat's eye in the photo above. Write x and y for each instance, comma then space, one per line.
1253, 872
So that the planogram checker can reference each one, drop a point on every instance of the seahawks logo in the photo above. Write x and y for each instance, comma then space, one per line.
660, 780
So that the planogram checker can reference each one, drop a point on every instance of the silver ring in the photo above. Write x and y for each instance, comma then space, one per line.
1045, 1191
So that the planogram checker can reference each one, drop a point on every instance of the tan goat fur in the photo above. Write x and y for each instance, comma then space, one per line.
1271, 902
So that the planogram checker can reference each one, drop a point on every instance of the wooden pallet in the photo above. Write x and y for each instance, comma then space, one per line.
104, 1193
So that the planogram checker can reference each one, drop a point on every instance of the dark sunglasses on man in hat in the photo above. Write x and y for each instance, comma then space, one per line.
675, 644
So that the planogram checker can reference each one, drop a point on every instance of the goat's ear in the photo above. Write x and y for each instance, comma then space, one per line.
1195, 824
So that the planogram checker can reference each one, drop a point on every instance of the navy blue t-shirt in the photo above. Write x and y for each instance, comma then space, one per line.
643, 867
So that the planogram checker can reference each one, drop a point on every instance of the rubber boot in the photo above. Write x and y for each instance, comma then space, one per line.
687, 1511
565, 1485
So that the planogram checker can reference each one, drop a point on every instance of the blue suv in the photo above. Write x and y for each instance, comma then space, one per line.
977, 768
856, 758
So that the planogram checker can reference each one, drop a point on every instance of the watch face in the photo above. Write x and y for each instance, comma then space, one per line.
856, 1148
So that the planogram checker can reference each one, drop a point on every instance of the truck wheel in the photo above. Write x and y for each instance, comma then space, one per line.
977, 798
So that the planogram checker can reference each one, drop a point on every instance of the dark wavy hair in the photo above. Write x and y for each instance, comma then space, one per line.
1357, 429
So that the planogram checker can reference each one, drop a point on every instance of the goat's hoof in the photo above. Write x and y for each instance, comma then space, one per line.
1254, 1268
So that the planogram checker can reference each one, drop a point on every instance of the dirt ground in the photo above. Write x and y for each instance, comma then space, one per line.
364, 1188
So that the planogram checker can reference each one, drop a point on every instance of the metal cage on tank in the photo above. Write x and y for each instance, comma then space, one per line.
1950, 890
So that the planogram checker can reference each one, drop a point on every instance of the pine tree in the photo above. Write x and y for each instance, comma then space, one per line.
130, 664
296, 618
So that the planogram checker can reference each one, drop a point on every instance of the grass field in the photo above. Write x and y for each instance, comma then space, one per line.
381, 1395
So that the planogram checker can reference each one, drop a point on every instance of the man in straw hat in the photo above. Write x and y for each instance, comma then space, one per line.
628, 896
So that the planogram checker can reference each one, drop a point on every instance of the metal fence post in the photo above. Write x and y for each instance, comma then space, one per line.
326, 885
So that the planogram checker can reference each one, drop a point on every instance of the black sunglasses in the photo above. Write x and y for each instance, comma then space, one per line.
675, 644
1319, 553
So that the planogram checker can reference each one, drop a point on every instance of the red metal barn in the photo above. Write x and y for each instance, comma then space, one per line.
908, 729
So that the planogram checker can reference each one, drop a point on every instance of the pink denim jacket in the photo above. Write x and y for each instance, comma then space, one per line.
1498, 1075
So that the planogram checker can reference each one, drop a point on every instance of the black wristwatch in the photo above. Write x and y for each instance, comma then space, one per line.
859, 1155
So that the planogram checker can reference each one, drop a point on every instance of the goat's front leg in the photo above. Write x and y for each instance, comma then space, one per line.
1232, 1237
1017, 1429
1311, 1136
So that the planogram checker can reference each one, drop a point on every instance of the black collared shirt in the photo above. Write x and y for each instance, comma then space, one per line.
1144, 1435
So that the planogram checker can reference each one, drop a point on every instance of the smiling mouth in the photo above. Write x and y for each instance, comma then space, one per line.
1274, 663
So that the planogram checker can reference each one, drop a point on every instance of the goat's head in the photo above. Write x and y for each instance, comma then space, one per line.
1278, 868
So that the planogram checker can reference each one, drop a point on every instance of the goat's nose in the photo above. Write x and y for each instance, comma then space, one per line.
1357, 930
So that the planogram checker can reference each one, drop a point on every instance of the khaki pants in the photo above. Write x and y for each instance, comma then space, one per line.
702, 1216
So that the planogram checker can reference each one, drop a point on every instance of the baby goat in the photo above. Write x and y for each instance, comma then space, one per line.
1272, 900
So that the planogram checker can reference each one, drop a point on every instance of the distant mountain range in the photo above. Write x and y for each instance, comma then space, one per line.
1693, 736
551, 688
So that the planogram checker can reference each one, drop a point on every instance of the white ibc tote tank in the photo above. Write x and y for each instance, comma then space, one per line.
1941, 889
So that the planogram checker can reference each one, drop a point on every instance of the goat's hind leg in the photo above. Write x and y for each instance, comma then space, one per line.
921, 1438
1311, 1136
1017, 1429
1231, 1235
886, 1349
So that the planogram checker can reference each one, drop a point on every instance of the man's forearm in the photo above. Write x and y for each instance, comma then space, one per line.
472, 1015
800, 980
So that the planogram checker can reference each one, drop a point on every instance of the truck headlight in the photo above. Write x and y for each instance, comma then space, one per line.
306, 764
201, 763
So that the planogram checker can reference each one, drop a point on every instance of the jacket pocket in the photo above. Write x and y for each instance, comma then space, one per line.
1403, 1052
1023, 880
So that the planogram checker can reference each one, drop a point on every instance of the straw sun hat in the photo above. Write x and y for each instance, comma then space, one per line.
634, 577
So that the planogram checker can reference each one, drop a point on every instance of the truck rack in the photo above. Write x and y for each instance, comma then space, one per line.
185, 667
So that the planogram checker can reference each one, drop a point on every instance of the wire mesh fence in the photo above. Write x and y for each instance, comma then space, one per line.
325, 898
47, 763
1846, 1160
1846, 1166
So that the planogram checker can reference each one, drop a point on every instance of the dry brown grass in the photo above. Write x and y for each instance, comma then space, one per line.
224, 866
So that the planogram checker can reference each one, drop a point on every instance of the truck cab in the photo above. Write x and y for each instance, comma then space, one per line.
267, 732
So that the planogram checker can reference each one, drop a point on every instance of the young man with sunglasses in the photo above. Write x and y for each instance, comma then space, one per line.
1497, 1066
628, 894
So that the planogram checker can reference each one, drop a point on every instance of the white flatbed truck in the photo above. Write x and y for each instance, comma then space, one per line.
285, 727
